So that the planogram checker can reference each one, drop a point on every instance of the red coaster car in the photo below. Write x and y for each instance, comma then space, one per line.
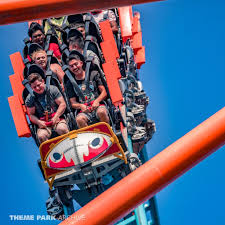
68, 154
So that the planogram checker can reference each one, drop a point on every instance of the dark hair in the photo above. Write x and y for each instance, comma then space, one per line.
77, 57
77, 25
34, 27
74, 54
33, 77
77, 40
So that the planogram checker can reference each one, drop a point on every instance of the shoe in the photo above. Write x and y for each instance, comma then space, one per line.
150, 129
139, 135
134, 161
54, 207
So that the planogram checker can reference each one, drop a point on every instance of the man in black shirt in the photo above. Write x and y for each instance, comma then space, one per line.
94, 94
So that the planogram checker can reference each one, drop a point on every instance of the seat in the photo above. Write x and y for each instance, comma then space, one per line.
91, 43
92, 28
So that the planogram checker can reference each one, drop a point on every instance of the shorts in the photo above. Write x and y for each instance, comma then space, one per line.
93, 116
49, 129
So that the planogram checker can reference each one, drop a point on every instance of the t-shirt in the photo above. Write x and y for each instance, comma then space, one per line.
42, 99
95, 82
55, 48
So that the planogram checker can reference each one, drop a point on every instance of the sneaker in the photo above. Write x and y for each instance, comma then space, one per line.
134, 161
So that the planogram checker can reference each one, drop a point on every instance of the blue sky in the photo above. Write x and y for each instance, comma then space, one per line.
184, 77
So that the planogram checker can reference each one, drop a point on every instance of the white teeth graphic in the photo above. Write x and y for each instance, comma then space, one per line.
76, 148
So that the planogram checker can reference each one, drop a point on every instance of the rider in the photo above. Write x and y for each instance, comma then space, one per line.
46, 114
102, 15
77, 22
36, 33
94, 94
76, 42
40, 58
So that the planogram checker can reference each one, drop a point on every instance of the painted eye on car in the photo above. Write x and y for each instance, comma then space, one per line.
96, 142
56, 156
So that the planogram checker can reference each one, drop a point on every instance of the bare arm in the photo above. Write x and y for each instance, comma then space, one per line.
62, 106
34, 119
100, 98
76, 105
57, 69
103, 94
114, 26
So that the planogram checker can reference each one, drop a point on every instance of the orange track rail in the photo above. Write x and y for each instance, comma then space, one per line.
12, 11
154, 175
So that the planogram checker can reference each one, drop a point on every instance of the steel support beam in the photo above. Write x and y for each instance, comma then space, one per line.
140, 214
154, 175
152, 202
13, 11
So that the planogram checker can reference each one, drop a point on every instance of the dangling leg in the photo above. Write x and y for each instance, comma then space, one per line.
102, 114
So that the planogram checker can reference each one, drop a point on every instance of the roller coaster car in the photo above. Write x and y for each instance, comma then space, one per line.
84, 163
76, 150
91, 158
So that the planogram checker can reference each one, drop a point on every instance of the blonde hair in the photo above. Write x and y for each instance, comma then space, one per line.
33, 55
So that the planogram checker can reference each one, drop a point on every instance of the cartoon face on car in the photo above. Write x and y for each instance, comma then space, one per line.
83, 148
